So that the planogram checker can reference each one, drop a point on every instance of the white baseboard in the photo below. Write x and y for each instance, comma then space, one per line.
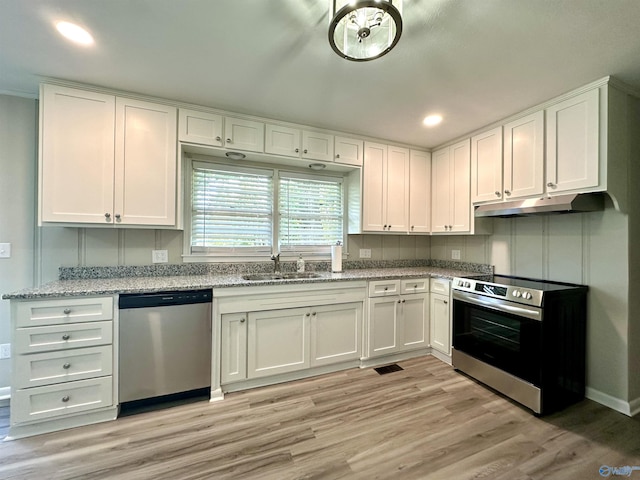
615, 403
634, 407
5, 396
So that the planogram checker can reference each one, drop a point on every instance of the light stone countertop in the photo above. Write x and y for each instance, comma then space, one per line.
150, 284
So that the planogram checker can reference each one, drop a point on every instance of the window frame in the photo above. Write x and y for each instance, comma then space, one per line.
227, 255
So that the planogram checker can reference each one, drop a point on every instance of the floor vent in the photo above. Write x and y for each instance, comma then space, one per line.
388, 369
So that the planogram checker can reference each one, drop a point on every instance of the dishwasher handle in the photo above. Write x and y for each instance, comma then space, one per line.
164, 299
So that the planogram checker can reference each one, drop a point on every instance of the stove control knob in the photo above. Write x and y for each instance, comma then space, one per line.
517, 293
460, 283
526, 295
467, 284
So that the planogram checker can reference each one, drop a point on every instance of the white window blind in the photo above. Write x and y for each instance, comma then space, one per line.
311, 212
232, 210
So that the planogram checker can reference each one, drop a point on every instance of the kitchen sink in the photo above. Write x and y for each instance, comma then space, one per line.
279, 276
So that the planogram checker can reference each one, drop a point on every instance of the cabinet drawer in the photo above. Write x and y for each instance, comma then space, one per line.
55, 400
55, 367
382, 288
416, 285
63, 311
440, 285
61, 337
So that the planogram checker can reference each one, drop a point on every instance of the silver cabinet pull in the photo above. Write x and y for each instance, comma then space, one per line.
66, 398
66, 366
445, 302
117, 217
307, 314
228, 140
297, 150
305, 151
242, 320
218, 138
66, 311
507, 192
66, 336
497, 193
107, 216
551, 185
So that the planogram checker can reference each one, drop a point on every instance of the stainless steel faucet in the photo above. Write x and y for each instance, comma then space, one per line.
276, 263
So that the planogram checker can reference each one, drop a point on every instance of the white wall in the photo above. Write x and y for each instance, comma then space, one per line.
18, 123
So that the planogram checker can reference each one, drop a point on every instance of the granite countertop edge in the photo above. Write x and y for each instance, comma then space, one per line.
123, 285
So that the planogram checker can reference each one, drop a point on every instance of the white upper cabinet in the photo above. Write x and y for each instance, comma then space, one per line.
349, 151
385, 188
145, 166
106, 160
419, 192
451, 189
524, 156
486, 166
200, 127
243, 134
573, 143
293, 142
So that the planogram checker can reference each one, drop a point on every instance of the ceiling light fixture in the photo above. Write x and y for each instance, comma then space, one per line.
75, 33
432, 120
362, 30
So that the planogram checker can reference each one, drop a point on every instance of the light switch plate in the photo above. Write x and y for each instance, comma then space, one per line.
5, 250
455, 254
5, 350
365, 253
159, 256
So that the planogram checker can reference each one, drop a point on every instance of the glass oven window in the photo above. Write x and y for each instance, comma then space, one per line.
503, 340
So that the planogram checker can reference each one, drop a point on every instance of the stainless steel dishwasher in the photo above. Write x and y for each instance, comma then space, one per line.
164, 344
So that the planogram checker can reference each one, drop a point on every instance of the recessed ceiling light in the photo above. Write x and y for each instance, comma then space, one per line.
432, 120
74, 33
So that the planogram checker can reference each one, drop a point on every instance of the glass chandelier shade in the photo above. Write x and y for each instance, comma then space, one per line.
362, 30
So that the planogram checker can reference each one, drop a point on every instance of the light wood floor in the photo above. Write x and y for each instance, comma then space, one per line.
425, 422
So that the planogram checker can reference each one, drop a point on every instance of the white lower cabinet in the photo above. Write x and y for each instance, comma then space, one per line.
440, 313
62, 372
336, 333
397, 322
233, 350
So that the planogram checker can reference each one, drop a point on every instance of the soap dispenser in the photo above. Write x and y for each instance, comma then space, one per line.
300, 264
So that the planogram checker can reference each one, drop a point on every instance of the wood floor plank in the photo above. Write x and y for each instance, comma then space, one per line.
423, 422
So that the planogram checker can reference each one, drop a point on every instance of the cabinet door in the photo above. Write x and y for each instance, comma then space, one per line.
335, 333
233, 352
572, 143
278, 342
375, 162
240, 134
383, 326
146, 163
281, 140
524, 156
440, 323
200, 127
440, 190
414, 323
348, 151
460, 199
419, 192
486, 166
76, 156
396, 189
317, 146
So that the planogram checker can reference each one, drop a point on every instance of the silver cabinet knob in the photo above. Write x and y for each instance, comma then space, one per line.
107, 216
242, 320
497, 193
445, 302
450, 227
307, 314
551, 185
66, 336
117, 217
399, 301
403, 300
412, 227
218, 138
228, 140
66, 311
304, 151
297, 150
386, 288
415, 286
337, 155
507, 192
66, 366
66, 398
314, 314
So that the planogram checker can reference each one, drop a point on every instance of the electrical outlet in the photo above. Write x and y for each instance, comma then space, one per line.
159, 256
365, 253
455, 254
5, 250
5, 350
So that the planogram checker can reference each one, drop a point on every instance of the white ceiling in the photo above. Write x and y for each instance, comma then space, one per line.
473, 61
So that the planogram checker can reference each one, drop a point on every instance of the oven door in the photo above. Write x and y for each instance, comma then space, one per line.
500, 333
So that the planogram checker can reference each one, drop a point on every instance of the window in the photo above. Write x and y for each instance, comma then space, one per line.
239, 211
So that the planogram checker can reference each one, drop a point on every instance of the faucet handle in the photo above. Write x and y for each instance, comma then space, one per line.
275, 257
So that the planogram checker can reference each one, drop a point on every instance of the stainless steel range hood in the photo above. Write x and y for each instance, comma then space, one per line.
570, 203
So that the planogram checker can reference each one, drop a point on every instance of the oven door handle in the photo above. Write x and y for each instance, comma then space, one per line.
499, 305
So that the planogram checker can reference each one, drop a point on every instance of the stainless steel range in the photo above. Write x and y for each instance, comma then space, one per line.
522, 337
